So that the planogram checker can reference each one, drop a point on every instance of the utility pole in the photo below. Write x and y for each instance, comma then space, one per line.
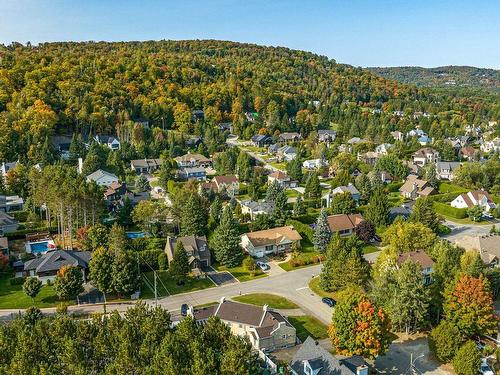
156, 294
412, 370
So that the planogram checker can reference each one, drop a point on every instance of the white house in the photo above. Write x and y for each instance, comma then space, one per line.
350, 188
314, 164
269, 241
112, 142
446, 169
474, 198
102, 178
491, 146
282, 178
254, 208
383, 148
425, 155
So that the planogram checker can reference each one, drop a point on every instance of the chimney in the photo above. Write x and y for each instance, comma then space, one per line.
265, 307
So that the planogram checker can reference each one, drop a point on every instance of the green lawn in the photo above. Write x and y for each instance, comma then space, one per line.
367, 249
281, 166
307, 257
395, 199
446, 187
261, 299
308, 326
241, 273
292, 193
13, 297
166, 285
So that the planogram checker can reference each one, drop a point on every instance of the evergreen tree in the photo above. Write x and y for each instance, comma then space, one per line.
215, 213
243, 166
101, 271
76, 148
444, 341
299, 207
125, 213
424, 213
322, 233
471, 264
117, 239
193, 216
364, 186
475, 213
377, 210
343, 204
226, 241
142, 183
179, 266
125, 274
467, 361
430, 174
294, 169
313, 188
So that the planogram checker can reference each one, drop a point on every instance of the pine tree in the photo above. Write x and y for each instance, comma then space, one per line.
142, 183
424, 213
226, 241
313, 188
377, 211
215, 213
322, 233
117, 239
299, 207
343, 204
179, 266
193, 217
294, 169
467, 361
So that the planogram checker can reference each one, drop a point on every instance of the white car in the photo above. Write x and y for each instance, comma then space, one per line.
263, 266
485, 368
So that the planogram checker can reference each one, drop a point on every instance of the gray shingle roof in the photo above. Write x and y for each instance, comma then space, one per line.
54, 260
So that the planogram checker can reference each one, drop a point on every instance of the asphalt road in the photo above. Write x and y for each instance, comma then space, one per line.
460, 230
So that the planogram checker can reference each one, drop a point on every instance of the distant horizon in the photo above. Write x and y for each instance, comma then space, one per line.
386, 33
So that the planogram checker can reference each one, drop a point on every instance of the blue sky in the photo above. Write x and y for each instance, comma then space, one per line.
362, 33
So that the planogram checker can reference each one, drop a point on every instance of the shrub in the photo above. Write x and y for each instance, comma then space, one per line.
17, 281
468, 359
304, 229
447, 210
162, 261
444, 341
393, 187
62, 308
250, 265
148, 259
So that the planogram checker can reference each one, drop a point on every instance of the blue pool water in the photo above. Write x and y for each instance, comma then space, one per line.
39, 247
133, 235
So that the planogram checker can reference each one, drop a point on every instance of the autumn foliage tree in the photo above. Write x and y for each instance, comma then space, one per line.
359, 327
468, 305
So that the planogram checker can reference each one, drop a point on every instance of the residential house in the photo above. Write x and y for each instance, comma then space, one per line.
261, 140
345, 148
7, 223
193, 141
145, 166
313, 164
6, 167
4, 246
197, 250
404, 211
343, 224
356, 140
193, 160
469, 153
416, 133
251, 116
115, 192
313, 359
488, 247
383, 176
445, 169
270, 241
197, 115
282, 178
61, 144
424, 140
226, 126
398, 136
102, 178
267, 330
369, 157
472, 130
108, 140
415, 187
253, 208
11, 203
474, 198
458, 142
350, 188
229, 183
326, 135
192, 173
421, 258
383, 149
287, 153
46, 266
414, 168
424, 156
398, 113
491, 146
291, 137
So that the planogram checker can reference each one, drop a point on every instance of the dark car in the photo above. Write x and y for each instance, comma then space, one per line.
329, 301
184, 309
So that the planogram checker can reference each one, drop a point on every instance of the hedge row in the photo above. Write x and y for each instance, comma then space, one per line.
447, 210
447, 197
17, 280
18, 234
304, 229
393, 187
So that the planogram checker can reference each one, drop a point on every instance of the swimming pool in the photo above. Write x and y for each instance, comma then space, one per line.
39, 247
133, 235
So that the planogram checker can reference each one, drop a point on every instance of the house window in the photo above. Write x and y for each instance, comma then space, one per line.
269, 247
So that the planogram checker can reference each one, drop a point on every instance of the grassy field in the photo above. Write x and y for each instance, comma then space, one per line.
446, 187
281, 166
314, 286
261, 299
241, 273
166, 285
367, 249
292, 193
308, 326
307, 257
13, 297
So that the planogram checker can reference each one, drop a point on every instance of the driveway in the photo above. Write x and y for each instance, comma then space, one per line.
397, 360
220, 278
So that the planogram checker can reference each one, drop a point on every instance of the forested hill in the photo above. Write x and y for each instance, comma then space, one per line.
444, 76
103, 87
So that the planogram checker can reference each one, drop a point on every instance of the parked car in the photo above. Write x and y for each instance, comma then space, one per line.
184, 309
487, 216
263, 266
329, 301
485, 368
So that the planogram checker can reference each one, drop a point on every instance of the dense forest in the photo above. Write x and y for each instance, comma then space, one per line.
105, 88
443, 76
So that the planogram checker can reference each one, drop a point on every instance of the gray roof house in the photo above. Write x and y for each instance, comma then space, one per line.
350, 188
6, 167
196, 248
326, 135
7, 223
445, 169
112, 142
46, 266
312, 359
102, 178
145, 165
254, 208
